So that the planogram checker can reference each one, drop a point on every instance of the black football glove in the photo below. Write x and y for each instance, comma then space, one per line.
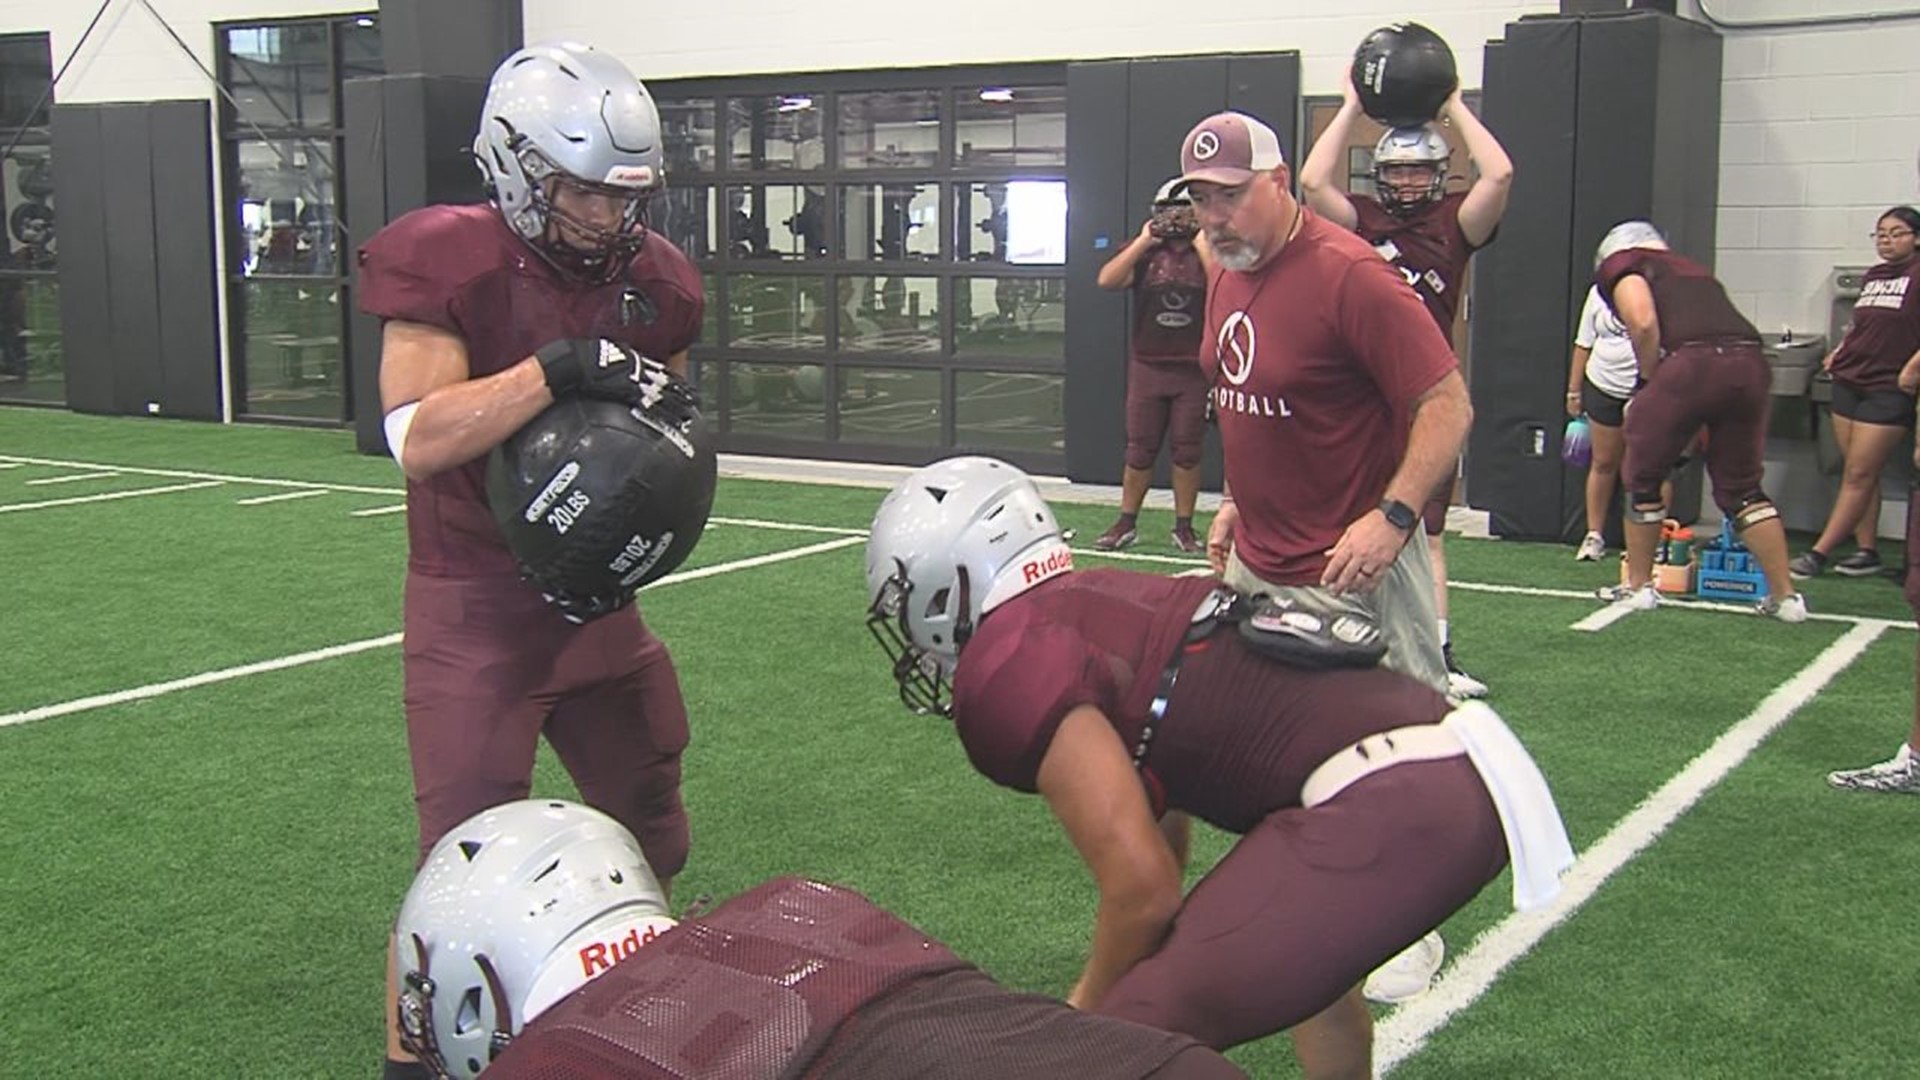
591, 367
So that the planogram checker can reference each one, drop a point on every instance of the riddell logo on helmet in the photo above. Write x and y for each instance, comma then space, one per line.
600, 956
1038, 570
631, 175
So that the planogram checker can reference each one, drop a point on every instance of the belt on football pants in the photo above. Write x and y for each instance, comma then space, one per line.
1381, 750
1537, 846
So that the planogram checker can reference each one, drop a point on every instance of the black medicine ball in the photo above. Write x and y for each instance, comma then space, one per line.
596, 499
1403, 74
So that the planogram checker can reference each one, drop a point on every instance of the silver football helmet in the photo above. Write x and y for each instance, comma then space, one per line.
514, 909
569, 113
1628, 234
950, 543
1417, 146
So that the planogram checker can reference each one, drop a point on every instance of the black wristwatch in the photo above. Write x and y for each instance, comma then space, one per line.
1399, 514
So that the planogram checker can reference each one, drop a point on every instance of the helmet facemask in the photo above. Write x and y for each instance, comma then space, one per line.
1407, 188
921, 676
574, 245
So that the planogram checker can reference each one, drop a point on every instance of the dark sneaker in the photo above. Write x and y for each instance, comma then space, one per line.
1805, 565
1117, 536
1186, 541
1859, 564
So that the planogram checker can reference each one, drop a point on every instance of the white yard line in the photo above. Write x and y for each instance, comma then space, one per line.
262, 500
9, 508
71, 478
377, 511
153, 690
188, 474
1405, 1033
1603, 617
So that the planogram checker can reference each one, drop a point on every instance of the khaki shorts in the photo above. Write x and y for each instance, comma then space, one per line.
1402, 605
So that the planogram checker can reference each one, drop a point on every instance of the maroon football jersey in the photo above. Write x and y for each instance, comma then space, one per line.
1240, 734
1169, 303
1092, 637
1886, 327
1427, 247
799, 979
460, 268
1691, 303
1316, 360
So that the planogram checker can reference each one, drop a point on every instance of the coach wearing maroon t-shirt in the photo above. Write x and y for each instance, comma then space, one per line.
1340, 404
1426, 234
490, 313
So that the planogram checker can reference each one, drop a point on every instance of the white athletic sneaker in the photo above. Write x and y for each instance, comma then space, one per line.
1791, 610
1899, 774
1644, 598
1592, 549
1407, 975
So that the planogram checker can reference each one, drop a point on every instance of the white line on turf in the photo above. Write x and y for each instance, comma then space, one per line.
188, 474
152, 690
71, 478
9, 508
1603, 617
380, 510
786, 526
1405, 1032
262, 500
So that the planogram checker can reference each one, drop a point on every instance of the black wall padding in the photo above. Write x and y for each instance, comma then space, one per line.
409, 140
464, 38
1125, 120
1606, 118
138, 320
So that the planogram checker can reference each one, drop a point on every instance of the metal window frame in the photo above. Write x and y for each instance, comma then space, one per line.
232, 134
716, 358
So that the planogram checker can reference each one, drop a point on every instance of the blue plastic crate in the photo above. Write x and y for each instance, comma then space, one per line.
1728, 571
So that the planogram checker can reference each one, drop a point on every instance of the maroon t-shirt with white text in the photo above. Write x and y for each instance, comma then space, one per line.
1427, 247
1316, 360
1169, 302
1886, 327
461, 269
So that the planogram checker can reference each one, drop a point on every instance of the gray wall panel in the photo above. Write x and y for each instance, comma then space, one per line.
182, 193
1097, 226
86, 309
448, 37
133, 261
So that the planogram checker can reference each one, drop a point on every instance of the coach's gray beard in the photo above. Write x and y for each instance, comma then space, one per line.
1239, 256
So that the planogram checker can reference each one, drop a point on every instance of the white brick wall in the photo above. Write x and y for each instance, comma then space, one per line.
1818, 134
1817, 137
723, 37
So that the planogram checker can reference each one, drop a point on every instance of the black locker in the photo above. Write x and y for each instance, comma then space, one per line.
1606, 118
1125, 120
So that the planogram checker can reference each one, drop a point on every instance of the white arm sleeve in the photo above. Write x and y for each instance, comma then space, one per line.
397, 422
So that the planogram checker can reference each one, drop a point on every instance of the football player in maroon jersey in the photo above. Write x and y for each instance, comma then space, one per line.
1428, 235
1165, 268
536, 943
1369, 809
489, 314
1701, 362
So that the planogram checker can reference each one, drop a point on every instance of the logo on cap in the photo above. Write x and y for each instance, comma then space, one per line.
1205, 145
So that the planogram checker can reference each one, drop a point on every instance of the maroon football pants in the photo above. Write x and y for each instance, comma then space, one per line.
1166, 402
1311, 900
490, 667
1723, 388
